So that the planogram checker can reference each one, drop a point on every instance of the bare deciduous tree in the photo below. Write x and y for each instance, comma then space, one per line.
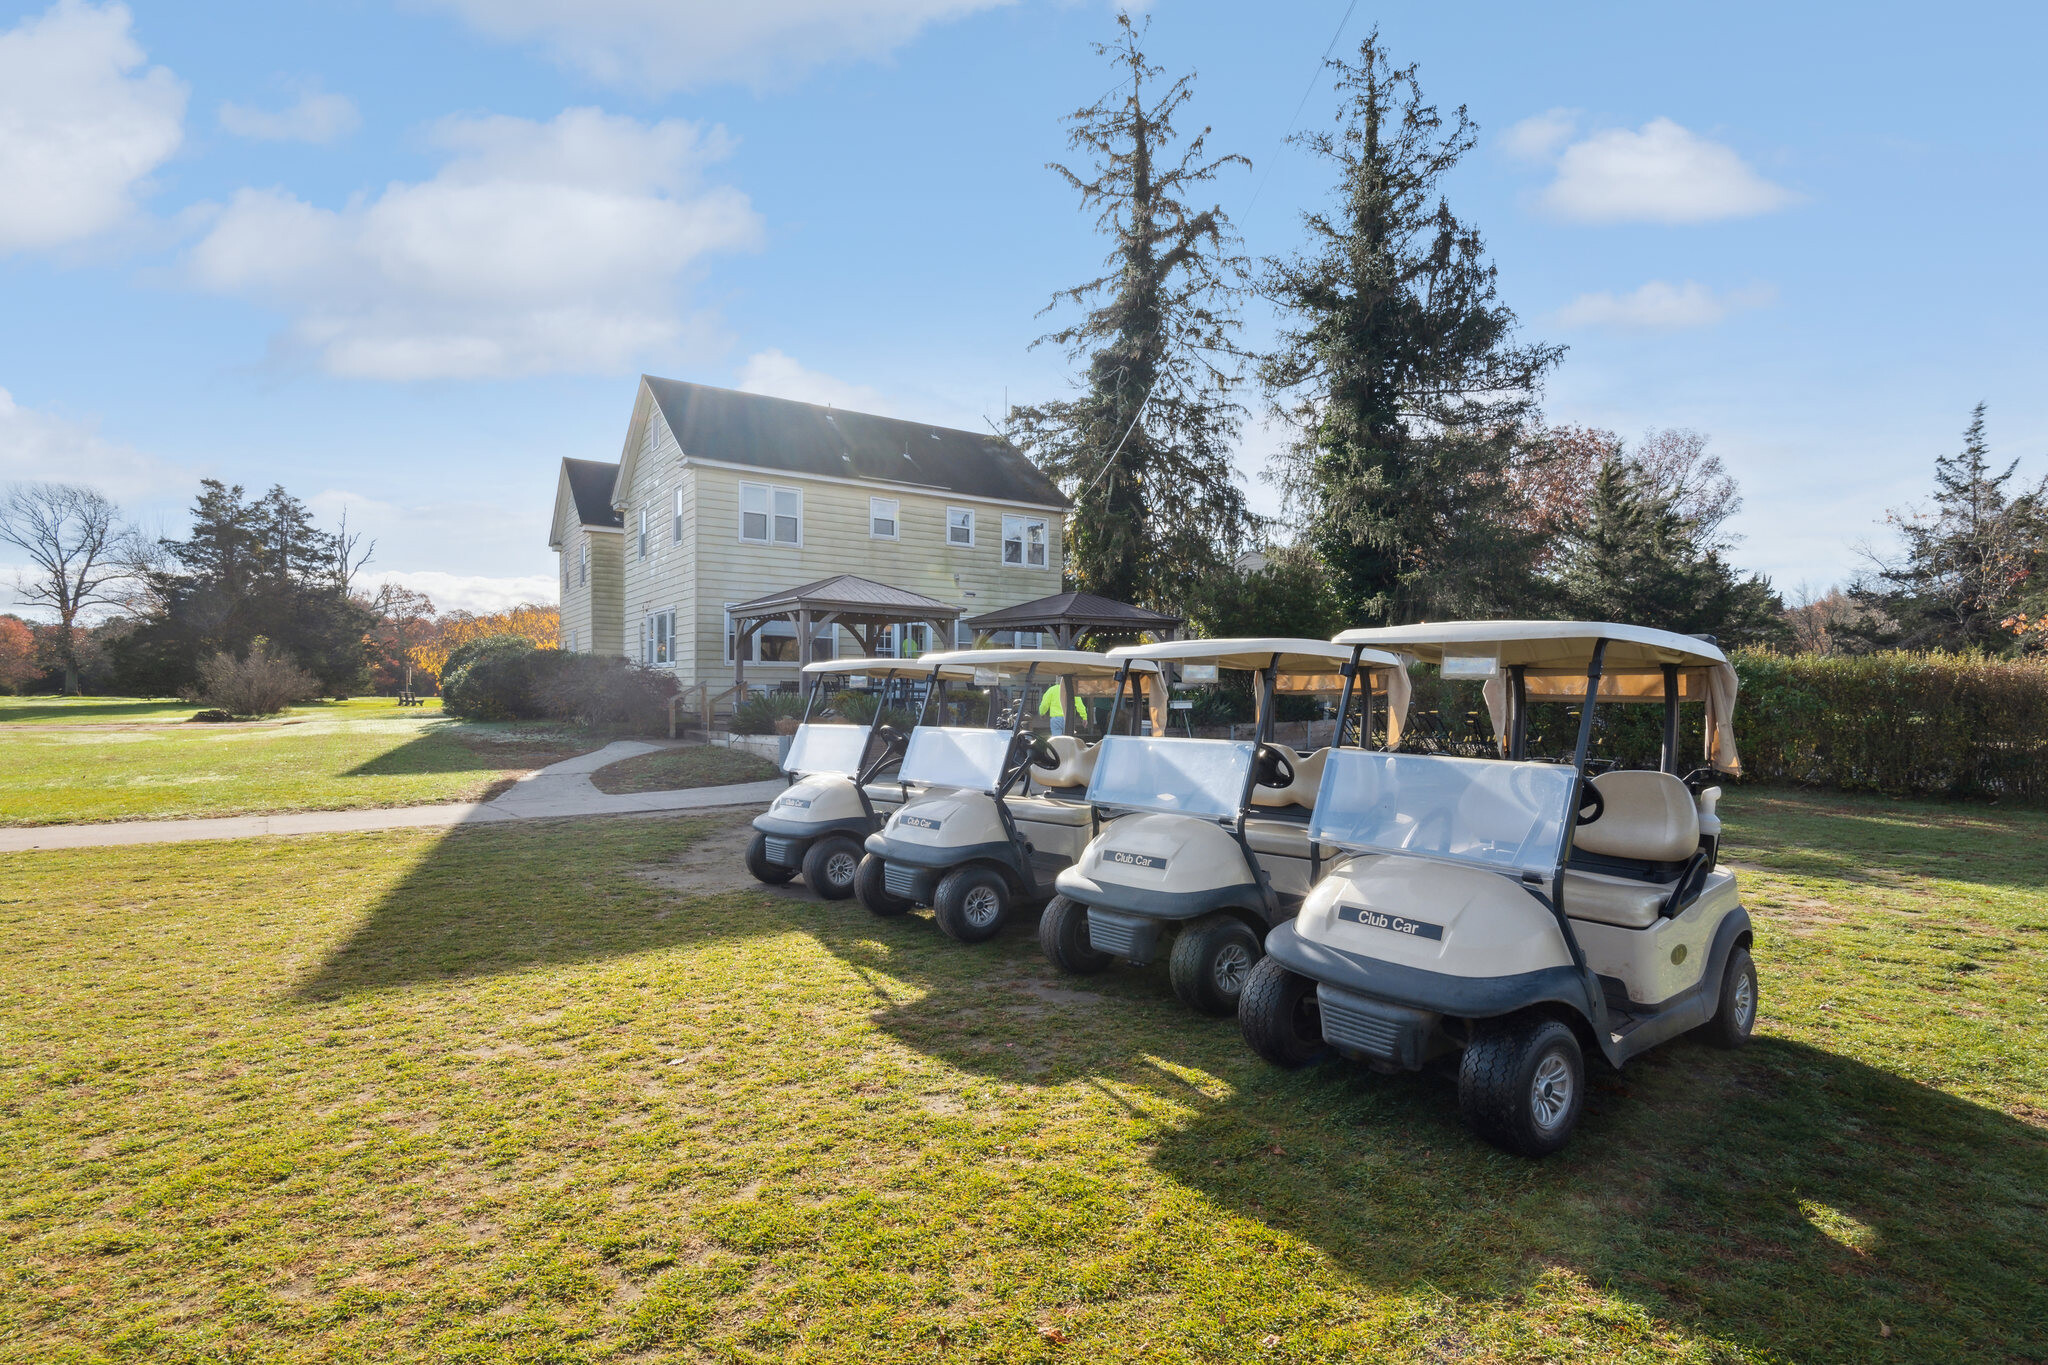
1701, 489
82, 553
405, 626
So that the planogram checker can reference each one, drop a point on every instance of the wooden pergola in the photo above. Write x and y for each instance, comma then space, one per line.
861, 605
1071, 615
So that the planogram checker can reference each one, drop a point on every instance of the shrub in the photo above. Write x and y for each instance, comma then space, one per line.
603, 693
213, 715
260, 683
758, 713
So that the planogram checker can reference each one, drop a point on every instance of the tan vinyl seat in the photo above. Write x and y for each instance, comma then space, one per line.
1281, 838
1308, 777
1651, 818
1048, 810
1076, 763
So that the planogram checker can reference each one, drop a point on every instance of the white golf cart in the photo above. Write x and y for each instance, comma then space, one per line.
1210, 845
1515, 911
833, 801
994, 812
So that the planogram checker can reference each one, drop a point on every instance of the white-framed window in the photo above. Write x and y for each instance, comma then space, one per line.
583, 565
658, 638
771, 514
960, 526
1024, 541
643, 533
911, 640
883, 523
677, 534
732, 635
572, 642
963, 634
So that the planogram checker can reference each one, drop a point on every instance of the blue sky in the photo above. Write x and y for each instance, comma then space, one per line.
403, 256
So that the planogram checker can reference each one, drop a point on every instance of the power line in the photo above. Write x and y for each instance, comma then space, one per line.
1110, 463
1314, 76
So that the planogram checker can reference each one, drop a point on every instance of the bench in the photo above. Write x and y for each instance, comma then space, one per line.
409, 699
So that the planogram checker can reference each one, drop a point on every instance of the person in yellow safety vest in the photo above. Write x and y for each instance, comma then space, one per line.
1054, 704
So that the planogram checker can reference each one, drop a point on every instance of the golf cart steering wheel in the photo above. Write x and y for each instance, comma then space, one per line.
1272, 767
890, 736
1042, 754
1592, 802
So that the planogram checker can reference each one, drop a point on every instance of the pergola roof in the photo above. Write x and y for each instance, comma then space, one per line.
853, 598
1072, 609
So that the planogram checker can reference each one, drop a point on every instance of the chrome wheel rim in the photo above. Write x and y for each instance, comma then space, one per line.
840, 869
1745, 1002
982, 906
1550, 1094
1233, 963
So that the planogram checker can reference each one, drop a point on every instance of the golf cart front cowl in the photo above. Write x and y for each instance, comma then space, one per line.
814, 806
1433, 916
1163, 866
1419, 989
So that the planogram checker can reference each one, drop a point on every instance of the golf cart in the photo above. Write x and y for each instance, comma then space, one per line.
1511, 910
1210, 846
995, 812
833, 800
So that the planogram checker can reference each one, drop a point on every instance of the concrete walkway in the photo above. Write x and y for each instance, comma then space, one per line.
561, 791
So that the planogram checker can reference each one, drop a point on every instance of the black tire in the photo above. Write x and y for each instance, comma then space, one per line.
1735, 1014
1063, 935
971, 903
1280, 1017
775, 874
1211, 959
867, 884
831, 865
1522, 1085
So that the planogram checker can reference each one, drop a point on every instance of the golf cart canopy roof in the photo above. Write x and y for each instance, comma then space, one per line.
1050, 663
1252, 654
881, 668
1555, 656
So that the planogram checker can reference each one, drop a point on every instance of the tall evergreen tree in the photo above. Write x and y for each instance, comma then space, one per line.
1398, 368
1144, 451
1969, 563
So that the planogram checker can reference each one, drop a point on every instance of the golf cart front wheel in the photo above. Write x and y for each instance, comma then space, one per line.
831, 867
775, 874
874, 893
970, 903
1063, 935
1211, 959
1522, 1084
1280, 1016
1735, 1016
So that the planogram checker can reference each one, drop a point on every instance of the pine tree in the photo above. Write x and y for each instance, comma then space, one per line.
1398, 369
1145, 450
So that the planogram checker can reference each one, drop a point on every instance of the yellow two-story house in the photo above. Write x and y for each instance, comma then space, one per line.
721, 497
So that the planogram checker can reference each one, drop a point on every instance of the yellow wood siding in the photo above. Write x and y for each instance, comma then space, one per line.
665, 577
592, 612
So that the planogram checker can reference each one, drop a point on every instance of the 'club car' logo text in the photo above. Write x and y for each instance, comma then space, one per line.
1123, 859
1374, 919
793, 803
917, 821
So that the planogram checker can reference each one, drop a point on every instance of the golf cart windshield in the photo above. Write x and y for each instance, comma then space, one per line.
1204, 777
954, 756
828, 747
1509, 817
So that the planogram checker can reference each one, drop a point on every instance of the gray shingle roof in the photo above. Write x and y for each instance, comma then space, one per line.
1072, 609
590, 482
804, 438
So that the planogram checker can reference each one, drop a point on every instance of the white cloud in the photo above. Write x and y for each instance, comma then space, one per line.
777, 375
81, 124
538, 248
316, 117
1538, 137
1660, 306
467, 592
665, 45
1660, 173
39, 446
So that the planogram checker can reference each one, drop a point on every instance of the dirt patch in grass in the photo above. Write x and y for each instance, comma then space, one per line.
694, 765
715, 860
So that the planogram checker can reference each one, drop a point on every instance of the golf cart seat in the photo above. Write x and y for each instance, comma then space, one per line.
1308, 777
1651, 824
1073, 765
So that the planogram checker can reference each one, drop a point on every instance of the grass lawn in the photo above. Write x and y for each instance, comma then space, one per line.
537, 1093
53, 710
698, 765
112, 765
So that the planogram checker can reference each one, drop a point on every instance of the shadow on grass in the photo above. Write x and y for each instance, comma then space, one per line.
467, 747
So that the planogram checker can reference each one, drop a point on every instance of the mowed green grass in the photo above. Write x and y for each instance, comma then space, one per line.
54, 710
110, 763
695, 765
504, 1095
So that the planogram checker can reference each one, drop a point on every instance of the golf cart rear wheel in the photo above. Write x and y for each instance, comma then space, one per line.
1735, 1016
831, 866
1280, 1017
971, 902
867, 884
1211, 959
1522, 1084
775, 874
1063, 935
